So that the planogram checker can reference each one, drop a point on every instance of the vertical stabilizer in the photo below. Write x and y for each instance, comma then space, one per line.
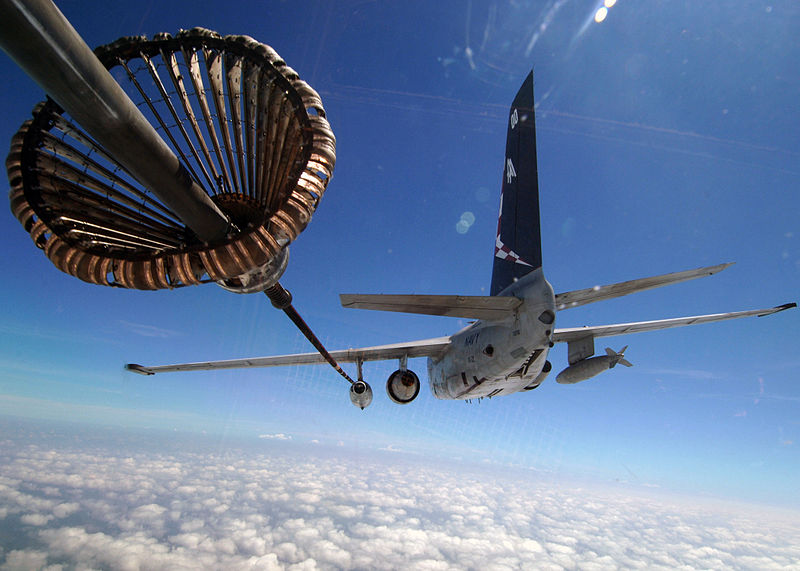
518, 249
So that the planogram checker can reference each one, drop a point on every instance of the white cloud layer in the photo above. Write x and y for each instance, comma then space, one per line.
279, 436
100, 507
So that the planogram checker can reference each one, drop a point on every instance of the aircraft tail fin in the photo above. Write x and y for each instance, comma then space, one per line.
518, 249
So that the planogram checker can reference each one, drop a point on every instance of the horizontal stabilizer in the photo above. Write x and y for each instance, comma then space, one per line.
573, 334
600, 293
412, 349
470, 307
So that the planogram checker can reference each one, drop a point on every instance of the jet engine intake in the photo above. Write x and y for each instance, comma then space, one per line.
361, 394
402, 386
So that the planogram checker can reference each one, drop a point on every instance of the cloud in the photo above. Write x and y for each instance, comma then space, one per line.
32, 559
66, 509
391, 448
35, 519
279, 436
85, 505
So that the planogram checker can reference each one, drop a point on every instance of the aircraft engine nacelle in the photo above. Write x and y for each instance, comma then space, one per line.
402, 386
361, 394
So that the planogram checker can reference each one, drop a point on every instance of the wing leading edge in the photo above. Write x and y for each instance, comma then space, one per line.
573, 334
465, 306
423, 348
600, 293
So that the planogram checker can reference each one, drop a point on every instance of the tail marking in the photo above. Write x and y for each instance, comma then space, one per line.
501, 250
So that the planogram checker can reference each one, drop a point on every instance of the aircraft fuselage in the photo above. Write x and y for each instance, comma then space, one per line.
490, 358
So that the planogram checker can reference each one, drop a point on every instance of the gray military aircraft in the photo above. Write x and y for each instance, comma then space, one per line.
505, 350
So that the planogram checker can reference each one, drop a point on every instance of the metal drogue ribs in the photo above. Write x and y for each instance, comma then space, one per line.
246, 130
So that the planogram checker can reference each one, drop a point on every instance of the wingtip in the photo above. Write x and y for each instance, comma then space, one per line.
779, 308
134, 368
719, 267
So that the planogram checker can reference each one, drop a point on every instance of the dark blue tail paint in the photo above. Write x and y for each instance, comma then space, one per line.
518, 248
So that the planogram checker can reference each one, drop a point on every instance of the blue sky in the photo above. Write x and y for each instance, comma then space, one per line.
668, 138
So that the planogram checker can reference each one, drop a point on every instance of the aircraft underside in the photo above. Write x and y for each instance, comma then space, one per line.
489, 359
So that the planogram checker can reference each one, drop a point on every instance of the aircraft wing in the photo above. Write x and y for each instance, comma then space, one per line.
577, 333
412, 349
467, 306
600, 293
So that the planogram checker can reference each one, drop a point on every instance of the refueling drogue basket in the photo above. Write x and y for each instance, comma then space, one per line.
250, 132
